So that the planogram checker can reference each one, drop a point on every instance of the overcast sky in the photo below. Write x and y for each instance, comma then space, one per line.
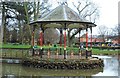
108, 12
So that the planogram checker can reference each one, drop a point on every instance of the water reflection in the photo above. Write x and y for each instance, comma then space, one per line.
110, 69
10, 61
110, 66
18, 70
48, 77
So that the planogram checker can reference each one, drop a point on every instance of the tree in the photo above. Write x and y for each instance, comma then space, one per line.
4, 21
103, 31
19, 14
87, 10
14, 36
116, 30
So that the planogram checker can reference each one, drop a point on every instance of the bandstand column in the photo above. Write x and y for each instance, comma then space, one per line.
33, 32
86, 39
60, 40
91, 38
41, 38
86, 43
41, 42
65, 42
79, 39
79, 44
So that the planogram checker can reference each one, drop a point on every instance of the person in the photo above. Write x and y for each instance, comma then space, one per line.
108, 45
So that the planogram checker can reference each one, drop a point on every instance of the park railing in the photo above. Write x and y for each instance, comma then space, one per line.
14, 53
52, 52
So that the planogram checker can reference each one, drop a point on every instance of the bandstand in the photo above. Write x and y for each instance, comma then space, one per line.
63, 18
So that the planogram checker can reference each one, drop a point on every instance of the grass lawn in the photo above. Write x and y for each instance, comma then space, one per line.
105, 52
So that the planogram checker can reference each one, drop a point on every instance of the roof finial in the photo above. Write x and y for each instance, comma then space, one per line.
63, 2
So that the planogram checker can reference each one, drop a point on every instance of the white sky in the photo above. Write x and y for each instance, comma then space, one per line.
108, 12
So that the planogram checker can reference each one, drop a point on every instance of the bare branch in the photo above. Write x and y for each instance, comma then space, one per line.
102, 30
12, 11
70, 30
90, 13
84, 7
38, 8
93, 12
78, 7
94, 20
74, 5
78, 30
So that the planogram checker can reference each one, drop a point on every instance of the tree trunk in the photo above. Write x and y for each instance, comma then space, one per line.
35, 11
69, 44
27, 22
20, 33
69, 38
3, 23
27, 17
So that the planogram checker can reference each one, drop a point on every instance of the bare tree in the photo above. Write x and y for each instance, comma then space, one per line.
116, 30
103, 31
3, 22
39, 9
87, 10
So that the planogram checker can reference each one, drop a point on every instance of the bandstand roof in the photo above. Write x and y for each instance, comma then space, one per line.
62, 17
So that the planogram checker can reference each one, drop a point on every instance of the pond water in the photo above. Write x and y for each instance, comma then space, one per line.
111, 65
110, 68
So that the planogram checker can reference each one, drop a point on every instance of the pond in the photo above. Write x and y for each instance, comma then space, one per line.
110, 69
111, 65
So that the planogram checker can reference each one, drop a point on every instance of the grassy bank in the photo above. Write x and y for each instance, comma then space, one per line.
105, 52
